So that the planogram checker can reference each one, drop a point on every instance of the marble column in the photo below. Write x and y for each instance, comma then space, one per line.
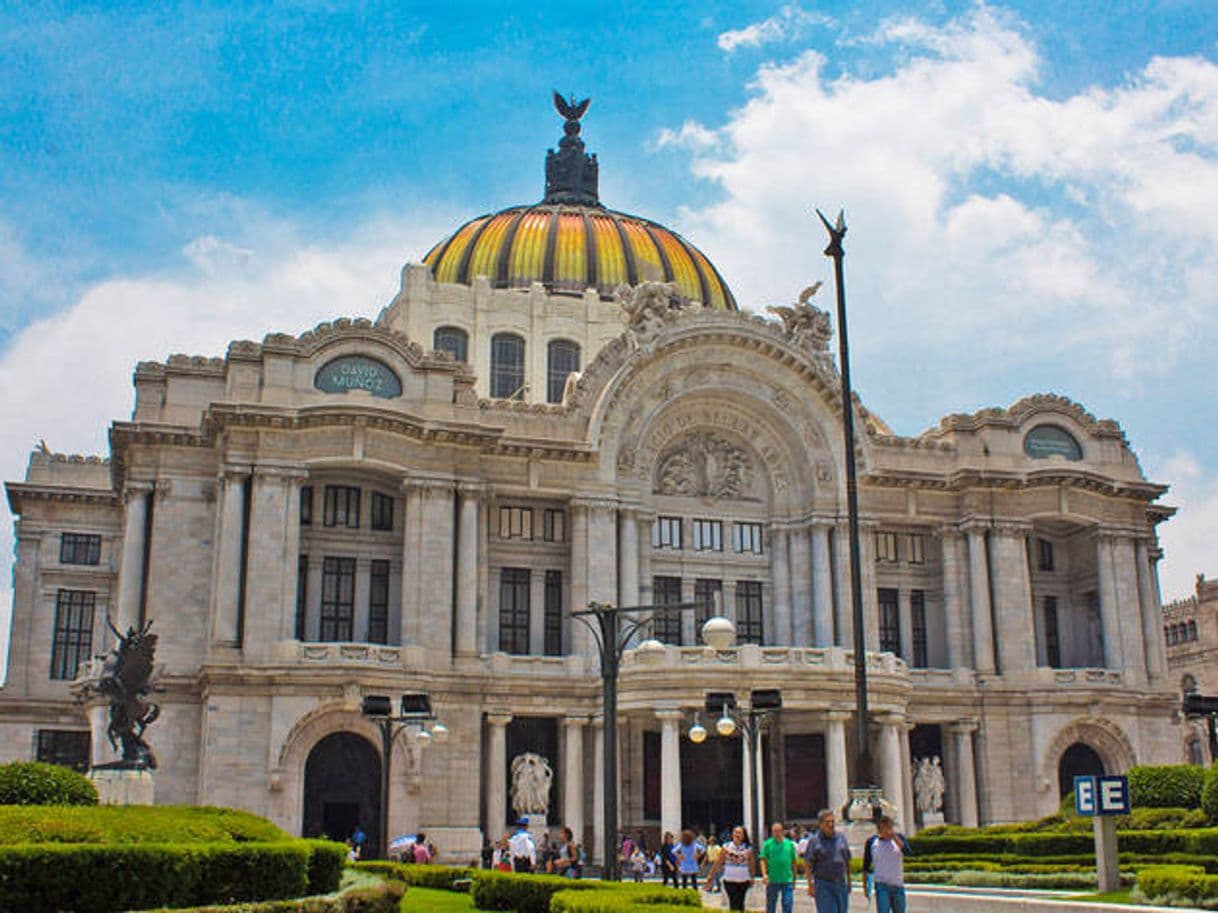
291, 555
1125, 566
780, 575
843, 606
466, 639
905, 624
746, 797
670, 769
573, 775
979, 601
1148, 601
1110, 617
871, 602
226, 582
965, 788
412, 538
628, 557
131, 571
598, 789
801, 587
759, 766
644, 538
270, 586
953, 603
581, 642
907, 795
436, 572
822, 587
1013, 598
892, 774
537, 614
837, 777
495, 776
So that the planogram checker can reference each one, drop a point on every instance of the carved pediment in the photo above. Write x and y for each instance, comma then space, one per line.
705, 465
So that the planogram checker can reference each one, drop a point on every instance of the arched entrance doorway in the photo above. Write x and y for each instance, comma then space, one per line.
342, 788
1078, 760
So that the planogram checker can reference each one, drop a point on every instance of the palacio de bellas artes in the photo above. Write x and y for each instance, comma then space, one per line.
564, 404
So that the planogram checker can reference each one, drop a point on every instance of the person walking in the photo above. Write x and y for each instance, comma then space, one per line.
668, 860
778, 869
735, 866
713, 852
688, 854
884, 860
566, 856
828, 858
522, 848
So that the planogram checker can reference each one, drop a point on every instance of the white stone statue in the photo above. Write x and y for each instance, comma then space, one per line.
531, 778
649, 305
929, 785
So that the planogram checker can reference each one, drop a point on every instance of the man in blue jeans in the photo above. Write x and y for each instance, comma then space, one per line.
828, 858
884, 860
778, 869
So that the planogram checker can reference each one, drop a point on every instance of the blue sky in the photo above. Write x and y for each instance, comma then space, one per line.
1032, 187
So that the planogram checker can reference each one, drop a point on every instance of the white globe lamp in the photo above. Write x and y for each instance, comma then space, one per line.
719, 633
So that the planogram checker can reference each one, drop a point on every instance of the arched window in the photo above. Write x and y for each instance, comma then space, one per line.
507, 366
562, 360
453, 340
1192, 630
1078, 760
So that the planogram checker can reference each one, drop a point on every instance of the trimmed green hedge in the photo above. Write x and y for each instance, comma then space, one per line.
1198, 841
1166, 785
437, 877
533, 893
101, 878
383, 898
134, 824
1209, 795
613, 899
36, 783
1177, 882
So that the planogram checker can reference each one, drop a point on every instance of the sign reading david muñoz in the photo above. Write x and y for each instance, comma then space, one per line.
358, 372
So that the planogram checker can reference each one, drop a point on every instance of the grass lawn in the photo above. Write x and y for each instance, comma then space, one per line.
1119, 897
428, 900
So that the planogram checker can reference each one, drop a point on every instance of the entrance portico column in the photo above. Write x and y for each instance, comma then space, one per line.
979, 601
780, 574
822, 586
837, 779
953, 604
495, 775
628, 557
573, 775
891, 772
966, 774
598, 788
465, 641
670, 770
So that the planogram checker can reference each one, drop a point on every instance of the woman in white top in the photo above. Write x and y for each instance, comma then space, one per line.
738, 865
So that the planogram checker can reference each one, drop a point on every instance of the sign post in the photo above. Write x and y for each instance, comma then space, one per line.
1102, 799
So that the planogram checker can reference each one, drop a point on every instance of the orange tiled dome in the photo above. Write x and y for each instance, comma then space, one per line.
570, 247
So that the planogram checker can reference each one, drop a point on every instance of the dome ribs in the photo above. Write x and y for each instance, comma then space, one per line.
547, 265
669, 275
632, 268
592, 278
505, 250
468, 253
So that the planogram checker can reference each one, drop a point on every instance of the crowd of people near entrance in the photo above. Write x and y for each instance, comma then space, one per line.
731, 863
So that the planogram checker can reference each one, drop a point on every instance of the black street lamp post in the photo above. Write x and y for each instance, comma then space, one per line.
763, 704
612, 634
414, 712
862, 766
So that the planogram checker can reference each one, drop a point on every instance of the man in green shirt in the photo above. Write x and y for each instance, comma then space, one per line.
778, 869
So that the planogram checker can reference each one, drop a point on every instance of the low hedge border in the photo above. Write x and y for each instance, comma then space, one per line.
383, 898
615, 900
533, 893
438, 877
111, 824
1164, 884
1197, 841
100, 878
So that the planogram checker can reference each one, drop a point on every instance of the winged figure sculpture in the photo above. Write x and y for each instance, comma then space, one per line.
571, 110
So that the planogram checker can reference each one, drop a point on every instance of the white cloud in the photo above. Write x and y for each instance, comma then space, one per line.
1188, 538
786, 25
71, 372
691, 135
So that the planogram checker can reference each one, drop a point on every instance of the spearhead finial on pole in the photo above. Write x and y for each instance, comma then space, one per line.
837, 232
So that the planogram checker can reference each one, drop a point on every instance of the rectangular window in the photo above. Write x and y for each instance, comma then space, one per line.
306, 506
337, 598
709, 592
554, 525
708, 535
342, 506
749, 628
79, 548
382, 511
746, 538
66, 747
516, 523
1044, 550
917, 548
552, 621
917, 612
666, 532
73, 638
1053, 648
666, 626
378, 603
302, 594
890, 621
886, 547
514, 610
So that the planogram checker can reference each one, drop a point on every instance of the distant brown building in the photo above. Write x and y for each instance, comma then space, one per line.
1190, 629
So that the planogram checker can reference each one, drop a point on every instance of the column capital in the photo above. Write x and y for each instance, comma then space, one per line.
498, 718
670, 715
233, 472
286, 475
889, 718
162, 489
593, 503
575, 722
947, 531
838, 716
134, 488
427, 486
470, 490
1011, 527
962, 727
974, 526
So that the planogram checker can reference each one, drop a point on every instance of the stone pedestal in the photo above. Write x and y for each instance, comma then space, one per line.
457, 845
931, 819
117, 786
537, 826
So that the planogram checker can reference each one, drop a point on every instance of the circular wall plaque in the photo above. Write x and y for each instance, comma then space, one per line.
358, 372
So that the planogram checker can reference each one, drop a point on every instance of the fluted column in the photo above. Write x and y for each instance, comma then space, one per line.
892, 774
1148, 601
822, 587
837, 777
746, 796
412, 538
131, 571
226, 582
1013, 598
979, 601
801, 587
495, 776
966, 772
645, 519
1125, 565
580, 638
435, 564
842, 603
871, 602
270, 604
1109, 610
670, 770
573, 775
598, 788
628, 557
905, 623
780, 575
907, 797
953, 603
466, 640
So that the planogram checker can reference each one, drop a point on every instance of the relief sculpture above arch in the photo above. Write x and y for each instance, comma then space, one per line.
705, 465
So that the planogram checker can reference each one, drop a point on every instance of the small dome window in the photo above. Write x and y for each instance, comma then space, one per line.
1045, 441
563, 362
507, 366
454, 341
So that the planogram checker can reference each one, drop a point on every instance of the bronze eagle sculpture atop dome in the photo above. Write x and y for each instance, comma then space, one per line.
571, 110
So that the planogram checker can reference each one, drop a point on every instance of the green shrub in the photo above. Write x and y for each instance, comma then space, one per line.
383, 898
533, 893
1177, 882
326, 861
437, 877
134, 824
99, 878
614, 899
1147, 819
1166, 785
36, 783
1209, 795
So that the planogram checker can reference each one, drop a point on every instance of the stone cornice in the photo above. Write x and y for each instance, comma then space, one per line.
1015, 415
18, 492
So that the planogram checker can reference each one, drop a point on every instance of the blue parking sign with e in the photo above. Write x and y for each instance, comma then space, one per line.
1107, 795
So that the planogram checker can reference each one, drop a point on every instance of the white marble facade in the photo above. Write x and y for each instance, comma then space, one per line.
1018, 592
